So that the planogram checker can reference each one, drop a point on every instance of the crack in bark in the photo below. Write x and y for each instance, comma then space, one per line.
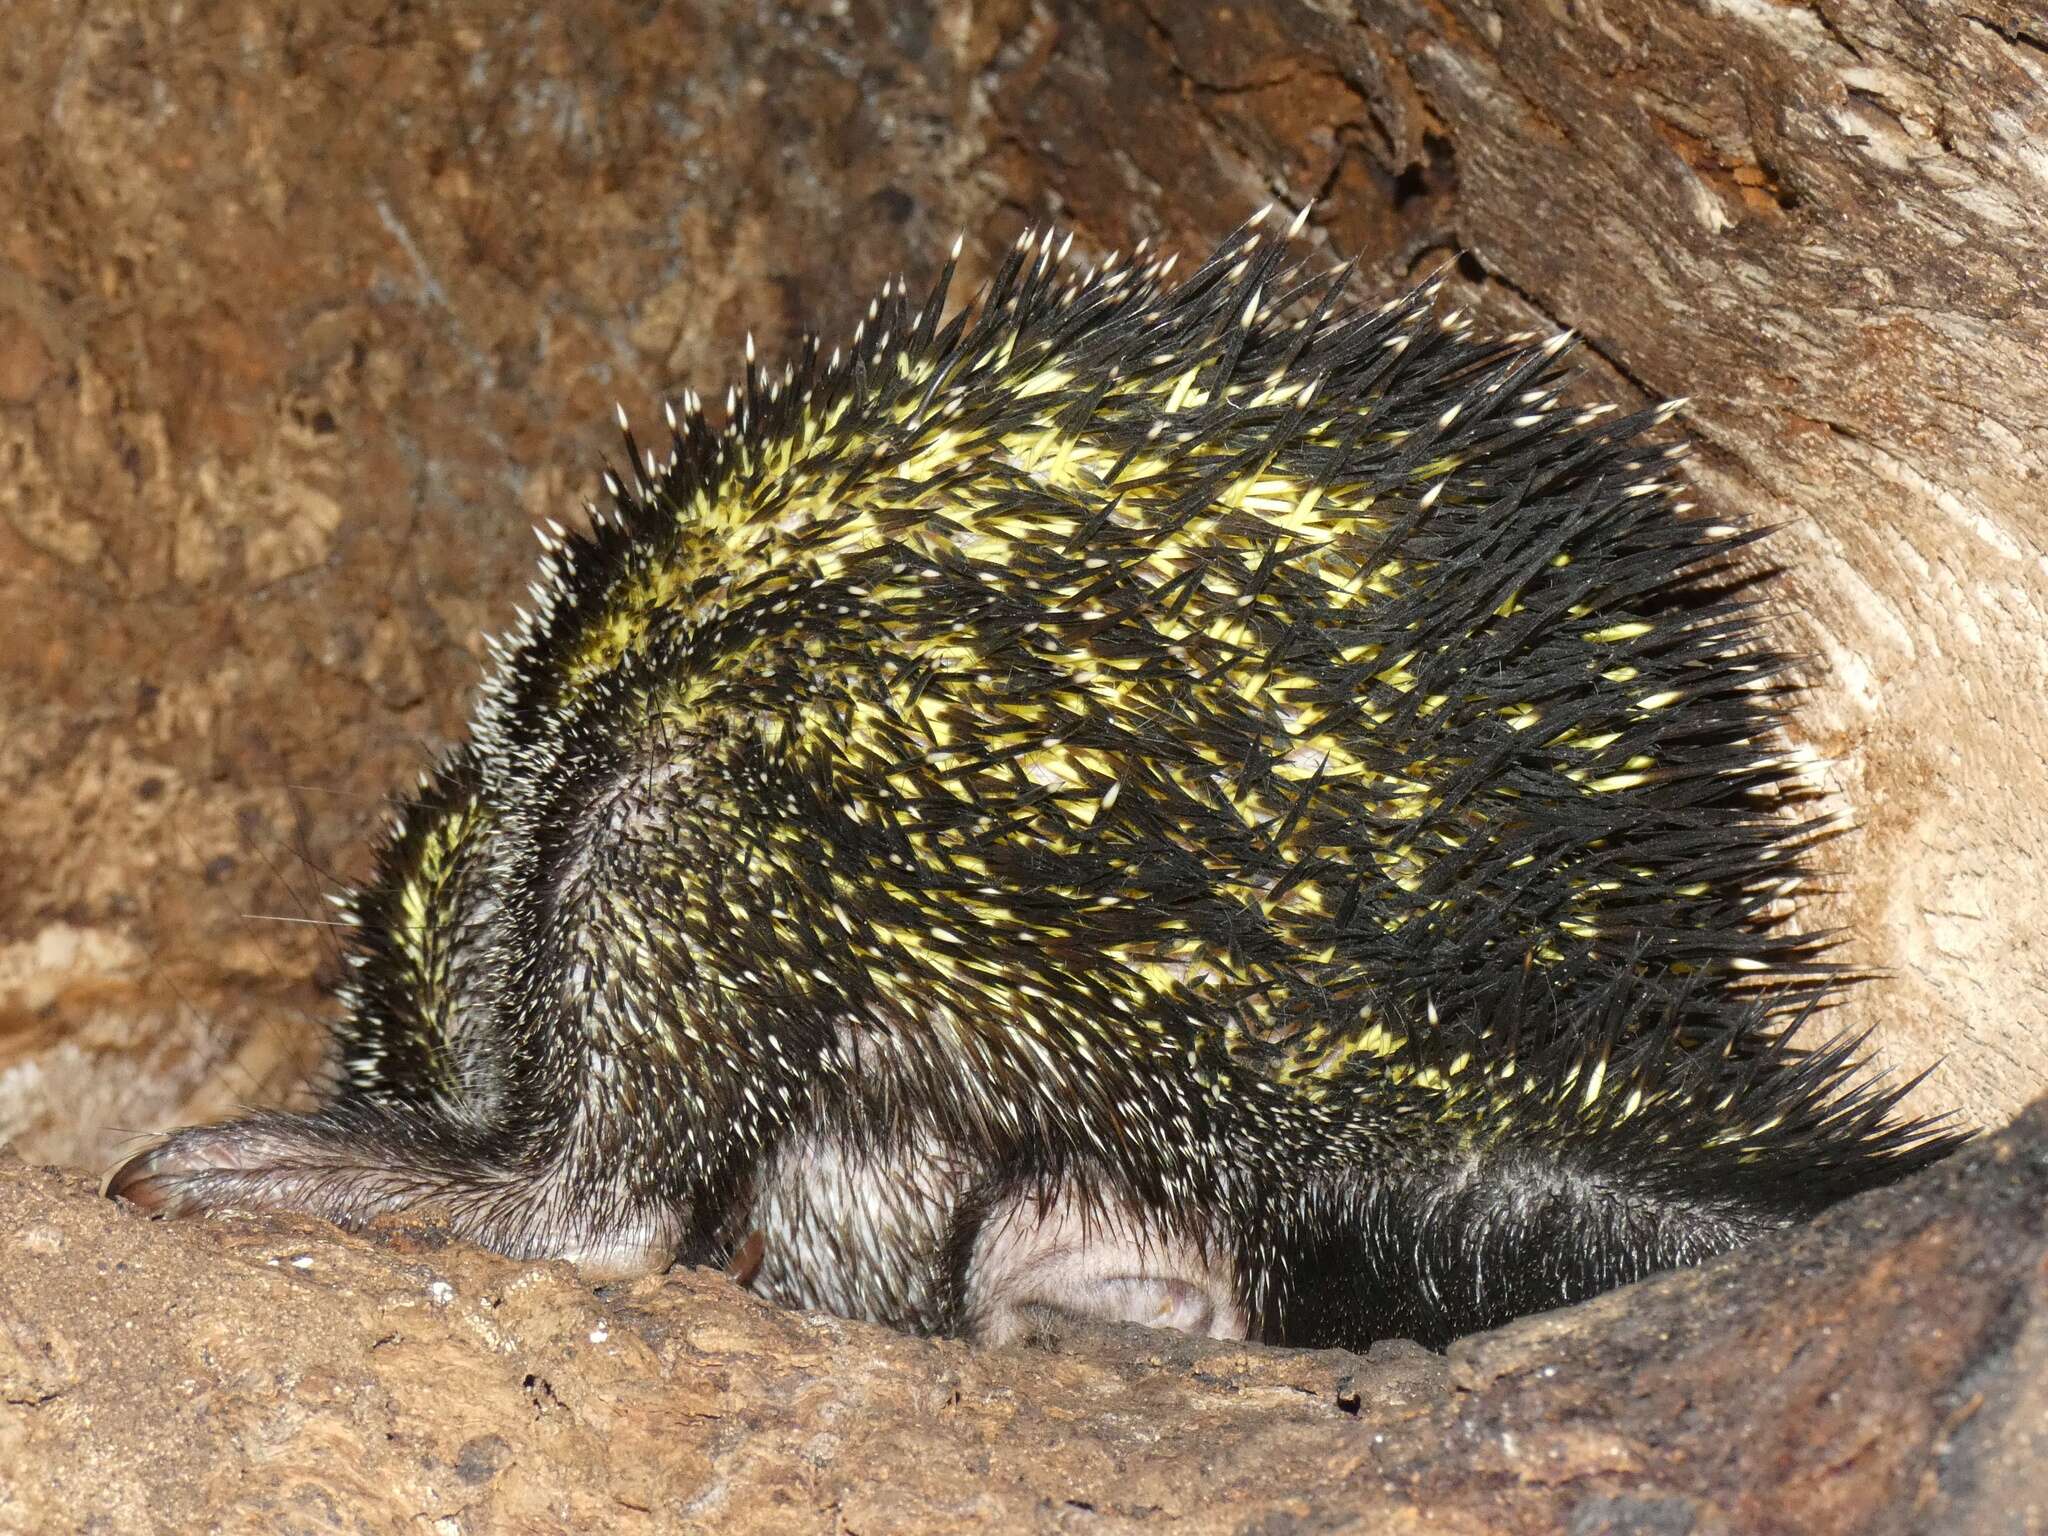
1549, 314
2018, 37
1834, 31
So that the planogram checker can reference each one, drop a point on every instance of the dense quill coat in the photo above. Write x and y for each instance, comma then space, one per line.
1259, 773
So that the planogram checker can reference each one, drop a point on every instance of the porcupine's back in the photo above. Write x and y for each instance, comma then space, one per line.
1166, 699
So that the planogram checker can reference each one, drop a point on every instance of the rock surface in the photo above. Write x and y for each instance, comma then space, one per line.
1880, 1371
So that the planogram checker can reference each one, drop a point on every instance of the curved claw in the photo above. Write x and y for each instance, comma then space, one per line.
146, 1179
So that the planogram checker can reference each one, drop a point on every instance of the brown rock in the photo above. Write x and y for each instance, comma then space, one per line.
1878, 1371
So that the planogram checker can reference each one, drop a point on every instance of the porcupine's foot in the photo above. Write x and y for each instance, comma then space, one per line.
348, 1165
919, 1235
1113, 1265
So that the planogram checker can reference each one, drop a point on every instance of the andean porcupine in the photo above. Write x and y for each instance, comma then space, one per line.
1197, 803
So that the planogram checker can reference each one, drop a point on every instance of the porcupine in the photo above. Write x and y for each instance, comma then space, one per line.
1199, 803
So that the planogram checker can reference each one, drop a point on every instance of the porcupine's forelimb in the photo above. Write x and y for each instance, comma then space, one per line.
354, 1160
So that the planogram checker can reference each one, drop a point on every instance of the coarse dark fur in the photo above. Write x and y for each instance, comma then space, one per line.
1195, 802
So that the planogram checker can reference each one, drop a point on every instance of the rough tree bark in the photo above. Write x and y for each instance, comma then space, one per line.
301, 318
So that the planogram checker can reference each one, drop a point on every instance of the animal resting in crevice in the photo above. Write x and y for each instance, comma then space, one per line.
1199, 803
